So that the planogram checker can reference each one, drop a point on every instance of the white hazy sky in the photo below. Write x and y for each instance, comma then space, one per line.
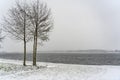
78, 24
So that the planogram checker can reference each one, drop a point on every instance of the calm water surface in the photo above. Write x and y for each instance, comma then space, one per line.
74, 58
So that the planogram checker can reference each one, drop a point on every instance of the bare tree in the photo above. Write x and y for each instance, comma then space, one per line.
42, 23
26, 22
17, 24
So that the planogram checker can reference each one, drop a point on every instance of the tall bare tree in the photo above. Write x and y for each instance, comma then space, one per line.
42, 23
17, 24
29, 21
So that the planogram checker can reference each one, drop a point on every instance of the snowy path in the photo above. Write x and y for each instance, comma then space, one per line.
13, 70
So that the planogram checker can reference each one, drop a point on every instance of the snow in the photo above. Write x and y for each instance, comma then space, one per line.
13, 70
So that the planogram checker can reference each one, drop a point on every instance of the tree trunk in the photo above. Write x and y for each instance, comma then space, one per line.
34, 50
24, 63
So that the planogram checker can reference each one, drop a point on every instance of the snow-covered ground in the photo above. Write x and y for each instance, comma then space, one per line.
13, 70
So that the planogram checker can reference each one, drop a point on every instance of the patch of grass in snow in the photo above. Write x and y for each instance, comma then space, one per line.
7, 67
12, 67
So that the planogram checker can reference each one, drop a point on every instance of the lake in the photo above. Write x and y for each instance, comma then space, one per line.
72, 58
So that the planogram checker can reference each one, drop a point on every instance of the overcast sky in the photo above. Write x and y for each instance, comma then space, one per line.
78, 24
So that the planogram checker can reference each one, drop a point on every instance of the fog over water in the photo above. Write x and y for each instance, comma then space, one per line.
78, 24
